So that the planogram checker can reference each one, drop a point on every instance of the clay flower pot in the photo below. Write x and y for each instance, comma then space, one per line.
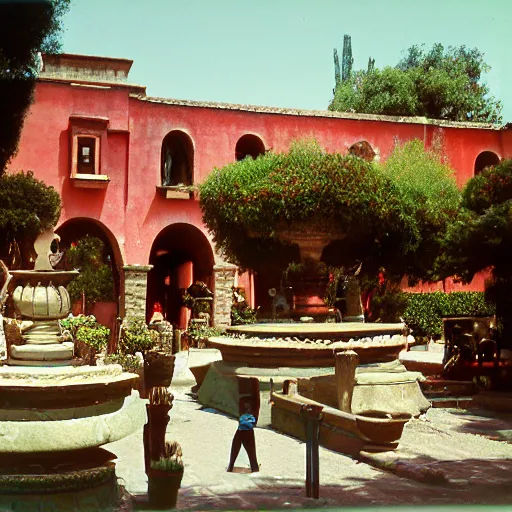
163, 488
158, 369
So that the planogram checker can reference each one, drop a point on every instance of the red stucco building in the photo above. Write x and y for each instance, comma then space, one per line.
123, 163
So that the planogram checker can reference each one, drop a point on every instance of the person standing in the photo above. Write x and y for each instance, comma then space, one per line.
245, 436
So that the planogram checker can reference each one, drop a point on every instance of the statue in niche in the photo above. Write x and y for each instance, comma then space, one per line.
167, 170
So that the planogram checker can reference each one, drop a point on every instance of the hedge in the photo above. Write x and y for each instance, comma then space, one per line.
424, 312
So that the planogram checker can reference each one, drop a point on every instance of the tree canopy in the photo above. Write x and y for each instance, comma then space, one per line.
430, 199
26, 28
27, 207
481, 238
384, 216
438, 84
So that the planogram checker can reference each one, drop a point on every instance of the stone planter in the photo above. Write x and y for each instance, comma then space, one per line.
309, 288
311, 237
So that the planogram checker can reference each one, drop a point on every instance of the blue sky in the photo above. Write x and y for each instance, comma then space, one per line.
279, 52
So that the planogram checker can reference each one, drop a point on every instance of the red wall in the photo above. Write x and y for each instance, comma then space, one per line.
131, 209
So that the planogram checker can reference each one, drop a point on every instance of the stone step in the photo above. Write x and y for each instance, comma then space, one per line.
433, 388
452, 402
34, 364
56, 351
39, 339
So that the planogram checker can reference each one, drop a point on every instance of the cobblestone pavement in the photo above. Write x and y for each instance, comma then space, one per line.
441, 460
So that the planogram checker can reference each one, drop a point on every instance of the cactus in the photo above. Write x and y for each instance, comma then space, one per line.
160, 396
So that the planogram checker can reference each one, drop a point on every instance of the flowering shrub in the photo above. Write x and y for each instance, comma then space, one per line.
383, 216
246, 203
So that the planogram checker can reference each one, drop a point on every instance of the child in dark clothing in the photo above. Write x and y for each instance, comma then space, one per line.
245, 436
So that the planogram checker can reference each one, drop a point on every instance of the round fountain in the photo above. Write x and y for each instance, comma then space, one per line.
383, 394
55, 416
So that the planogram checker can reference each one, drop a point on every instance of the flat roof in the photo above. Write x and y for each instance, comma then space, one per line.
319, 113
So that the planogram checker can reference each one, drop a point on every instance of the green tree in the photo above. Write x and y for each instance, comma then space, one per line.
481, 238
26, 28
438, 84
385, 217
430, 200
95, 280
27, 207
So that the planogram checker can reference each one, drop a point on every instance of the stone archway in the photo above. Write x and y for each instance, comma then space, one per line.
75, 229
180, 255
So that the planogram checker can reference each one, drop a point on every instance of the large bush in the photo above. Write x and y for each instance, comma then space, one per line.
246, 203
481, 238
383, 217
430, 198
424, 312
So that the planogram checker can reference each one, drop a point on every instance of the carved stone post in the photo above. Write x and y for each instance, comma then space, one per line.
224, 280
346, 362
135, 289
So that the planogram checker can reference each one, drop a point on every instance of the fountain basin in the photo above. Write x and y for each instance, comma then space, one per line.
309, 345
56, 409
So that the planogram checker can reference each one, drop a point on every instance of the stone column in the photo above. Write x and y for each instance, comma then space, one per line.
346, 363
223, 282
135, 289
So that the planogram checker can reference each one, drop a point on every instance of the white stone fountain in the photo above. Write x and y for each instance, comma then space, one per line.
54, 416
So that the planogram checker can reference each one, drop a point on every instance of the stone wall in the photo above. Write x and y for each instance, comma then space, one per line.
135, 288
224, 280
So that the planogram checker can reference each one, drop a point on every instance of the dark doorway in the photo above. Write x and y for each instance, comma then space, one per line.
180, 255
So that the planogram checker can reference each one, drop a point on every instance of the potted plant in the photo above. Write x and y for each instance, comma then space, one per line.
198, 298
135, 336
130, 363
164, 477
94, 340
90, 337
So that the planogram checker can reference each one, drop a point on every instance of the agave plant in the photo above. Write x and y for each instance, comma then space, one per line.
171, 459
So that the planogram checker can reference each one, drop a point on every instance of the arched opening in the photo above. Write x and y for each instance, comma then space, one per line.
249, 145
72, 232
362, 149
180, 255
177, 159
486, 159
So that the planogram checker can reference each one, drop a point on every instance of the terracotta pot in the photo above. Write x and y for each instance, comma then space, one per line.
158, 369
163, 488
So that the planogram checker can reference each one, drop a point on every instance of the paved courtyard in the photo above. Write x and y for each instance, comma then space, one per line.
448, 456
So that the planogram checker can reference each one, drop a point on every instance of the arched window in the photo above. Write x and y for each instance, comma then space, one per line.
249, 145
363, 150
177, 159
486, 159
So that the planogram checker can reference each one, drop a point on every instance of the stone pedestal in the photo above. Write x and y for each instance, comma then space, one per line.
135, 290
224, 280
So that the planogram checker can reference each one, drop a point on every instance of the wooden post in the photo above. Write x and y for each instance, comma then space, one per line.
346, 362
312, 415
